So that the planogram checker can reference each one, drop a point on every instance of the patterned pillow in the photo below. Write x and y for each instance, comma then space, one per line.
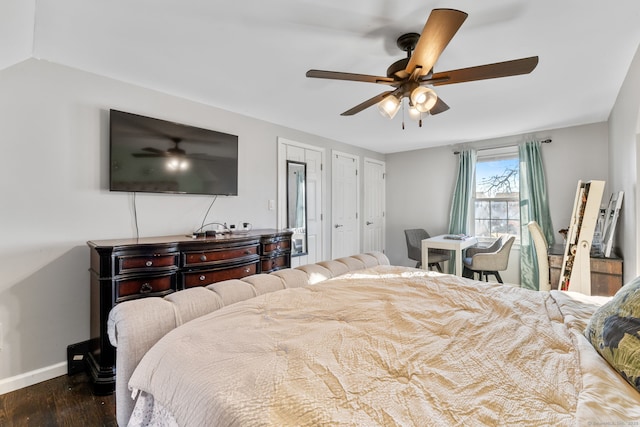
614, 331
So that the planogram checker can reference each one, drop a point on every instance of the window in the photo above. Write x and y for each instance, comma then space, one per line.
497, 190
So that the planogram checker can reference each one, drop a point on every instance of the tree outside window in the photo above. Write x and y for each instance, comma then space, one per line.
497, 204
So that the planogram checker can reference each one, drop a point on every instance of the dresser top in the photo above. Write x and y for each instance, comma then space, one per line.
183, 238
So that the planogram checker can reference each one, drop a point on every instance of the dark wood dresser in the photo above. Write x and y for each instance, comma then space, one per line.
127, 269
606, 273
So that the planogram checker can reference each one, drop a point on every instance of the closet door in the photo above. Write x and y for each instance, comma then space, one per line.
345, 236
374, 206
313, 159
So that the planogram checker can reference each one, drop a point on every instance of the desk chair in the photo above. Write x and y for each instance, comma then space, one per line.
540, 244
414, 238
488, 261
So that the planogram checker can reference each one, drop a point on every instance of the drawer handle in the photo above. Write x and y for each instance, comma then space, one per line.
247, 252
203, 257
247, 270
278, 246
148, 263
202, 277
146, 288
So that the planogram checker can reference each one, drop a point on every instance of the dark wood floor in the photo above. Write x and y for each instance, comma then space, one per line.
62, 401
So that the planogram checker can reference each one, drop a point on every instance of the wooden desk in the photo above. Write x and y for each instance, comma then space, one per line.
606, 273
441, 242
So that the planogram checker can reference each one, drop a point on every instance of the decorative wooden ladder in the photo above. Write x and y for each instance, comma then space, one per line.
611, 219
576, 263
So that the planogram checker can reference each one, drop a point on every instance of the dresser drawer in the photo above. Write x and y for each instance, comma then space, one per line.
220, 256
606, 266
605, 284
145, 286
280, 245
191, 279
276, 263
134, 263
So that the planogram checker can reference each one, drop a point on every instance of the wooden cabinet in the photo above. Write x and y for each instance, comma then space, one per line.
126, 269
606, 273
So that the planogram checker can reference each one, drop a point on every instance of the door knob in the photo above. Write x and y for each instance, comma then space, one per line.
338, 225
369, 222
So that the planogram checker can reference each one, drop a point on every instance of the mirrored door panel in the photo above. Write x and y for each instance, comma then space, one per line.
297, 206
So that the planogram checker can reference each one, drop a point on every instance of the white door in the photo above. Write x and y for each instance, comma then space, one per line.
345, 236
314, 206
374, 205
313, 157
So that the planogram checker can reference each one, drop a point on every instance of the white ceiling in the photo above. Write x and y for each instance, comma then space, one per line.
251, 56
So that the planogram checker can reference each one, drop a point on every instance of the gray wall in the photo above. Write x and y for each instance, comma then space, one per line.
420, 183
54, 140
624, 135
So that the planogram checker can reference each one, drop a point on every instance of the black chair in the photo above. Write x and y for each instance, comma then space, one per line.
414, 237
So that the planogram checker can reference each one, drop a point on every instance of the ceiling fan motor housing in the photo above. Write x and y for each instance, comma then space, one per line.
397, 68
408, 42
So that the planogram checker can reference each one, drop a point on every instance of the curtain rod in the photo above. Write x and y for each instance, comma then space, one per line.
544, 141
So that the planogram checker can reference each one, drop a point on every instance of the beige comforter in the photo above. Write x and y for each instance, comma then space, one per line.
389, 346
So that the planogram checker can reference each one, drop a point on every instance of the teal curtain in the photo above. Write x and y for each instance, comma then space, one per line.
534, 206
462, 197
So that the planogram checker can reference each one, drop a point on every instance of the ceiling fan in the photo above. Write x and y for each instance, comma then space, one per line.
155, 152
177, 158
413, 76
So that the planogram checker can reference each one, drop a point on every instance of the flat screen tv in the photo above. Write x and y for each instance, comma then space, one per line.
157, 156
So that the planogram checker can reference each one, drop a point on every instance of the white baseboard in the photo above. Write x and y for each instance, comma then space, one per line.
33, 377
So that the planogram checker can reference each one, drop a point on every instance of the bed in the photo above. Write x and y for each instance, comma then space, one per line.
383, 345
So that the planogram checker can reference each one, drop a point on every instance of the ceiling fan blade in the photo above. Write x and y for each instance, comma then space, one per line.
147, 155
154, 151
202, 156
440, 107
440, 28
426, 80
337, 75
489, 71
368, 103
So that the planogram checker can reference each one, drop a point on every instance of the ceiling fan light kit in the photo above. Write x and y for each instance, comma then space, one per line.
389, 106
423, 99
414, 114
177, 163
413, 76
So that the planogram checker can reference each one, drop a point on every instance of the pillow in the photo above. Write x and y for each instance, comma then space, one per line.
614, 331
